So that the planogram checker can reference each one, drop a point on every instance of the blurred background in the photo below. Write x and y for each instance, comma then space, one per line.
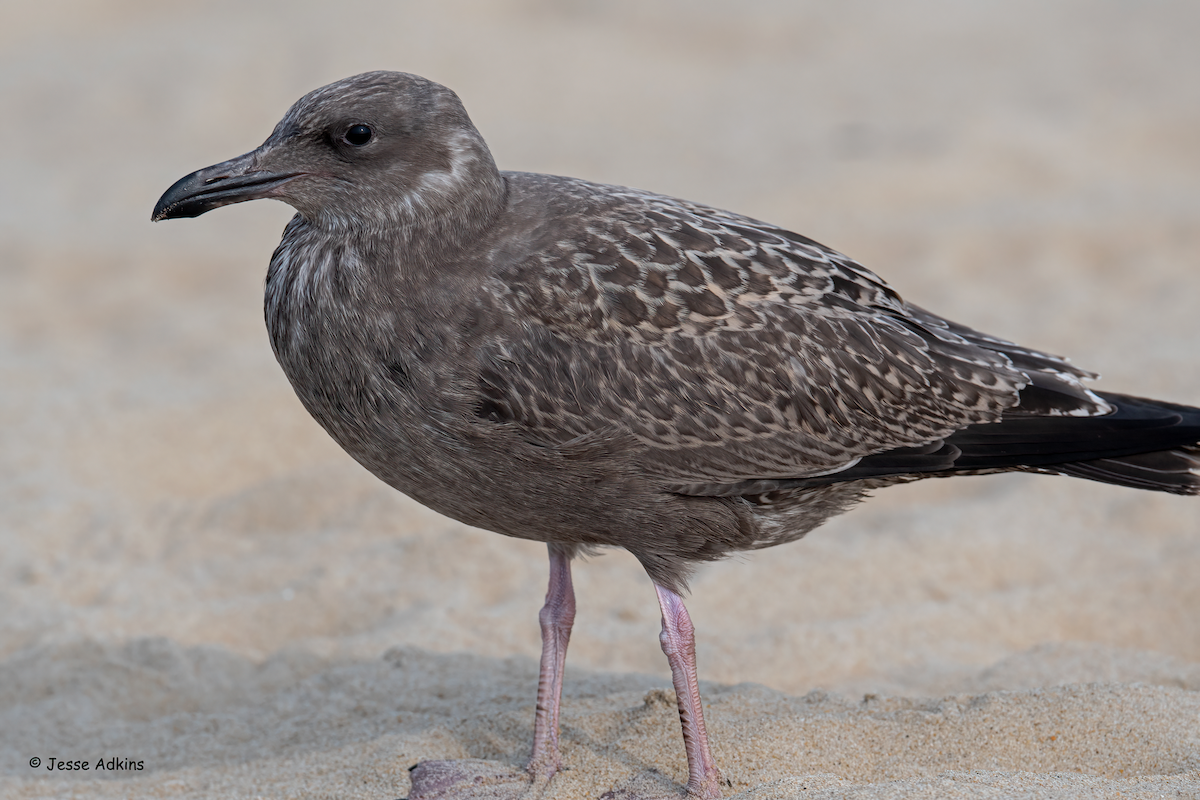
1031, 169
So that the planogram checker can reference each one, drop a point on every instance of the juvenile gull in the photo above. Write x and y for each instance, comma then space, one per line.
589, 366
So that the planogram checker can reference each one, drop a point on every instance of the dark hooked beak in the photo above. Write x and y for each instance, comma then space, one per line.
233, 181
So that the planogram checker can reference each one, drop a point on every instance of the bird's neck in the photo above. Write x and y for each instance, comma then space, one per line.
425, 217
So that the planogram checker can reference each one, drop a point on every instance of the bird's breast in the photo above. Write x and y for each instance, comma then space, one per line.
386, 372
354, 350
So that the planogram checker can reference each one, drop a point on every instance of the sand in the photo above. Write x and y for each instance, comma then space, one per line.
200, 590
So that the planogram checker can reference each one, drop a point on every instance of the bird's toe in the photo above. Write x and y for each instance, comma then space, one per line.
472, 778
649, 785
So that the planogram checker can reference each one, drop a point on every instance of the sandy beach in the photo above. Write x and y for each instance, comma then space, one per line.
201, 596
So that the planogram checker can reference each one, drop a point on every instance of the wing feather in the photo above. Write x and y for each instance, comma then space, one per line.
732, 350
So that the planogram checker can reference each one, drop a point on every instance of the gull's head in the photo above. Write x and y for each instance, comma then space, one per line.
377, 147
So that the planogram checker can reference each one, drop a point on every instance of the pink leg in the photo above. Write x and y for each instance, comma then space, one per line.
679, 643
556, 618
473, 779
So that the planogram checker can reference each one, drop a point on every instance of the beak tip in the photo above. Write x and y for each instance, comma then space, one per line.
176, 199
166, 210
232, 181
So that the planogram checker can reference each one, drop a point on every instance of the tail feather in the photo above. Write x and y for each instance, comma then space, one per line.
1175, 471
1136, 425
1143, 444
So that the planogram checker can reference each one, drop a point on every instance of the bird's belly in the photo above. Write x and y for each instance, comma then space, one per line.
420, 435
420, 442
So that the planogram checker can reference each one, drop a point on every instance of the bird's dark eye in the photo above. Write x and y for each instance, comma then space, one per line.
358, 135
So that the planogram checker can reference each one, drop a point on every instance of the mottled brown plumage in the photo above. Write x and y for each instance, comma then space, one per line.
591, 365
